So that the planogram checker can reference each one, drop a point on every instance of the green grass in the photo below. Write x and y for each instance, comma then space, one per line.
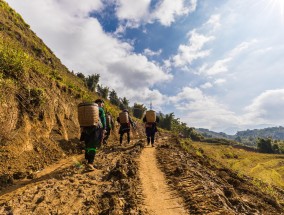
268, 168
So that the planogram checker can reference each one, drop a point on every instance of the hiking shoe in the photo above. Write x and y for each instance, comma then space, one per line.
90, 167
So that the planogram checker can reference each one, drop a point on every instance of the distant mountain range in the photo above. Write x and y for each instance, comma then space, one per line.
248, 136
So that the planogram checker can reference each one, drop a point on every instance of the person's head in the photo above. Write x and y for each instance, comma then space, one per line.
125, 110
100, 102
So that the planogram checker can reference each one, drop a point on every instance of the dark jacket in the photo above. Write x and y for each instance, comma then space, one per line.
125, 127
151, 126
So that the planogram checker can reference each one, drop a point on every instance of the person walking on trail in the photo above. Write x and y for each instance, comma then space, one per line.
151, 121
89, 120
91, 136
109, 127
102, 116
125, 121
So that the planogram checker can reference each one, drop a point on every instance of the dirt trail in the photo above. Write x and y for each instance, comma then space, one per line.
159, 199
137, 180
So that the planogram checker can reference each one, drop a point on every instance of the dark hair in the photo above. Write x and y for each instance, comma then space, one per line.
125, 110
99, 101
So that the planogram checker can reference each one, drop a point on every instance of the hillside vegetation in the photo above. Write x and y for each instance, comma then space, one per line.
38, 101
267, 170
251, 137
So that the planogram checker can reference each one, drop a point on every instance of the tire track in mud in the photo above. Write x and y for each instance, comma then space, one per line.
159, 199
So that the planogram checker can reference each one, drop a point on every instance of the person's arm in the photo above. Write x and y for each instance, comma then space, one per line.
103, 118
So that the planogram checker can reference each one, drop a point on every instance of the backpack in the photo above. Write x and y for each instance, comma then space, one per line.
150, 116
123, 118
88, 114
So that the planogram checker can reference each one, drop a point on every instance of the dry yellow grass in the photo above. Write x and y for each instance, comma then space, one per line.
268, 168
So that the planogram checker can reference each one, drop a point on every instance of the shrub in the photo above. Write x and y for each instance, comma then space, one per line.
12, 62
36, 97
264, 145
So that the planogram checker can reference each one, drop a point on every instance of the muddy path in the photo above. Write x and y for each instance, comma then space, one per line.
159, 198
68, 188
135, 179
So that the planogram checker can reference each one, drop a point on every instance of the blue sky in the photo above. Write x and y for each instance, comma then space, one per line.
215, 65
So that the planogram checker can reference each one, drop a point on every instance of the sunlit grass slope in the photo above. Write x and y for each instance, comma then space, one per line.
269, 168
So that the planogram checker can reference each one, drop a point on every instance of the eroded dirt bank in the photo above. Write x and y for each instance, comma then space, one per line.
207, 189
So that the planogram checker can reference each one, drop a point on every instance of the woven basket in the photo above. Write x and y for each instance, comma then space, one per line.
88, 114
123, 117
150, 116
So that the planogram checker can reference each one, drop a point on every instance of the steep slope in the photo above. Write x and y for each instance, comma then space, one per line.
38, 101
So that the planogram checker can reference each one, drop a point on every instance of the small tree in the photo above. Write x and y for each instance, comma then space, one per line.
264, 145
166, 121
124, 103
238, 139
92, 81
102, 91
275, 148
81, 76
114, 98
138, 110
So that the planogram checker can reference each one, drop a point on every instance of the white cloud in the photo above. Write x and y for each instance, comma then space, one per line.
135, 71
146, 96
199, 110
219, 66
81, 9
136, 11
206, 85
168, 10
241, 48
83, 46
150, 53
188, 53
267, 108
214, 21
220, 81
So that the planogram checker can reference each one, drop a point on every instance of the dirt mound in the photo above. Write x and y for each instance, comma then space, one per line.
207, 189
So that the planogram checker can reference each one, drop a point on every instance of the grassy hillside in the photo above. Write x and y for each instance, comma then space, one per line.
265, 168
38, 101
